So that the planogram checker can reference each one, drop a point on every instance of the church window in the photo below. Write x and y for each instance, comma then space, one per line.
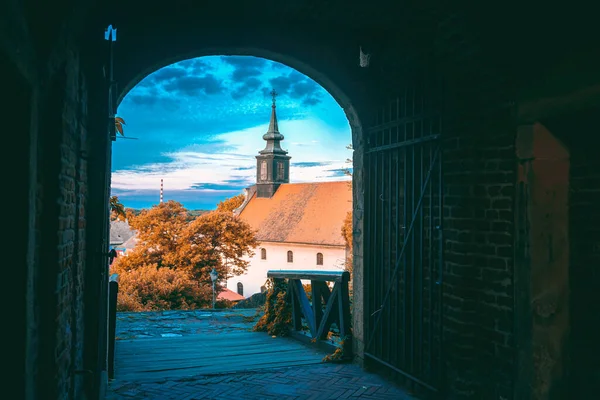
240, 288
280, 171
263, 171
290, 256
319, 258
263, 254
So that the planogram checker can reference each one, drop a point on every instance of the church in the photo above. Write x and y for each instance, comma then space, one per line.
298, 225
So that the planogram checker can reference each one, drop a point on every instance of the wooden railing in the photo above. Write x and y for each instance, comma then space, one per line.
326, 306
113, 290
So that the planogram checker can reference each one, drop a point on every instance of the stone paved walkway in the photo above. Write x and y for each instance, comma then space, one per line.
315, 381
323, 381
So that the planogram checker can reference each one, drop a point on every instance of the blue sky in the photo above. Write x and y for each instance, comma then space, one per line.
200, 122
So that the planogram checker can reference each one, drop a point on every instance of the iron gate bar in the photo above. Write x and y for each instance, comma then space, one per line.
406, 374
389, 218
439, 282
431, 265
403, 254
412, 243
396, 244
405, 242
407, 143
411, 343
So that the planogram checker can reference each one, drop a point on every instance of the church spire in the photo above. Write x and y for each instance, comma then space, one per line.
273, 137
273, 128
273, 163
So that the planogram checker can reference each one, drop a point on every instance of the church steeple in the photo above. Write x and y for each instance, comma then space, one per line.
273, 163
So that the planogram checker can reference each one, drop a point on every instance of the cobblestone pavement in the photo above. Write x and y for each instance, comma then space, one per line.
317, 381
322, 381
172, 323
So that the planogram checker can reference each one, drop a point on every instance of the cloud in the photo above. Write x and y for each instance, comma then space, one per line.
276, 65
297, 87
241, 74
309, 164
244, 61
250, 86
168, 73
339, 172
195, 66
205, 129
217, 186
191, 85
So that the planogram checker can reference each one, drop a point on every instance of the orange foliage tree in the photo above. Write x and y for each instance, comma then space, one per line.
230, 204
187, 251
347, 235
217, 240
117, 210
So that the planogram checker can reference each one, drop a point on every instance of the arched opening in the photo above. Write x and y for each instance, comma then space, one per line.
319, 258
271, 167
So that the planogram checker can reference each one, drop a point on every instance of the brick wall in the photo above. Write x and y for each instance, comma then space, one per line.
479, 174
55, 245
62, 188
479, 188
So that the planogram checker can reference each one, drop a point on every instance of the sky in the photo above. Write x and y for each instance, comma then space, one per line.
199, 123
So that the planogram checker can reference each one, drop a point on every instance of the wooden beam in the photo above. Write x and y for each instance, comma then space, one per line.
317, 275
327, 316
304, 305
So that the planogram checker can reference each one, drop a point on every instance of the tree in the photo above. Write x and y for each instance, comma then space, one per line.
149, 288
117, 210
187, 251
347, 235
230, 204
159, 232
216, 240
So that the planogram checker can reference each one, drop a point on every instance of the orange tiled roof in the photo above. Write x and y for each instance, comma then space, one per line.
230, 295
301, 213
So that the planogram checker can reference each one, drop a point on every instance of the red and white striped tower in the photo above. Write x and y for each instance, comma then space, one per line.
161, 190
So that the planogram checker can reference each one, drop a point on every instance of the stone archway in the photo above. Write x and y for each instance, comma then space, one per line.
355, 114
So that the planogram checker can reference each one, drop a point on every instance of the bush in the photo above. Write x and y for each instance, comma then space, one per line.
255, 301
149, 288
224, 304
277, 318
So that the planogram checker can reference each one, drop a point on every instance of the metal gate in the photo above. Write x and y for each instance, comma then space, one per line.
403, 237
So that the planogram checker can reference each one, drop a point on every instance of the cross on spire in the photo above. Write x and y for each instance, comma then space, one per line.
273, 95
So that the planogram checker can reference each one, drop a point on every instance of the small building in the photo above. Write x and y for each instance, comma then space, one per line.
298, 225
229, 295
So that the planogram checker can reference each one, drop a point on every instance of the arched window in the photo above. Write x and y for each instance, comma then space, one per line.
240, 288
290, 256
263, 170
263, 254
319, 258
280, 171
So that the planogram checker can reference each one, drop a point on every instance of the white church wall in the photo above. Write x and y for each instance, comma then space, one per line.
305, 258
